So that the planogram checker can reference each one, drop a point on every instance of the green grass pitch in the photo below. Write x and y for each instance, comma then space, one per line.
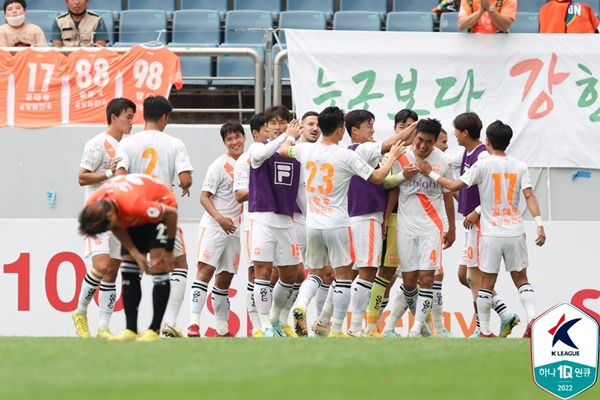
303, 368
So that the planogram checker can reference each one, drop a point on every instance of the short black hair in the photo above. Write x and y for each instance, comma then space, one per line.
257, 121
403, 115
469, 122
277, 111
431, 126
331, 119
310, 114
23, 4
155, 107
116, 106
231, 126
356, 117
499, 135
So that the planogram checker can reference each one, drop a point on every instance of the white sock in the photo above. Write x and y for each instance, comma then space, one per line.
341, 300
499, 306
178, 282
411, 300
437, 311
88, 288
281, 293
285, 311
263, 299
424, 301
384, 304
308, 289
106, 300
484, 306
251, 306
220, 299
359, 300
399, 307
327, 309
527, 297
321, 297
198, 295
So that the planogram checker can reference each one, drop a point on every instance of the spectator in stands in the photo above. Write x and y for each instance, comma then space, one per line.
78, 26
16, 32
565, 16
486, 16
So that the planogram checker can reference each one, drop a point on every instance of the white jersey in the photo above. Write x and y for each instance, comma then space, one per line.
241, 181
421, 207
327, 171
154, 153
300, 217
500, 181
97, 154
219, 182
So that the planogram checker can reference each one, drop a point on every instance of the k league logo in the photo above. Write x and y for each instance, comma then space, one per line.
284, 173
564, 351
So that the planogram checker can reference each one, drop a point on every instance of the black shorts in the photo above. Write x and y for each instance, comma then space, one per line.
147, 237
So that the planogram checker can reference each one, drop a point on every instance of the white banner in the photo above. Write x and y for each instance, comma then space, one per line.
544, 86
41, 269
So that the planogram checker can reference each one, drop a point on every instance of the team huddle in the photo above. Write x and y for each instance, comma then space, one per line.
316, 219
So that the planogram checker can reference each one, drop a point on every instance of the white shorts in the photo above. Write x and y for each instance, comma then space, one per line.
333, 247
301, 237
179, 249
277, 245
368, 249
513, 250
246, 245
219, 249
103, 243
422, 253
470, 252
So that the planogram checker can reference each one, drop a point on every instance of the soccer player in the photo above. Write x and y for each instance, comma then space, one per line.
328, 170
155, 153
219, 242
272, 198
421, 232
500, 179
142, 213
467, 129
98, 164
241, 177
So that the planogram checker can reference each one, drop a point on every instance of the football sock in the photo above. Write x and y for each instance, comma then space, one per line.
251, 306
88, 288
198, 295
437, 308
327, 309
263, 300
220, 300
281, 292
132, 293
499, 306
361, 290
160, 297
308, 289
375, 302
321, 296
178, 282
527, 297
285, 311
341, 300
106, 300
484, 306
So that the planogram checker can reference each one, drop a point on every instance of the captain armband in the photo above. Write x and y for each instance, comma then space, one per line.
292, 152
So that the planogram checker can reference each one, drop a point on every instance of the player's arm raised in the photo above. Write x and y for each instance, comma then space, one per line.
452, 185
379, 174
534, 209
401, 136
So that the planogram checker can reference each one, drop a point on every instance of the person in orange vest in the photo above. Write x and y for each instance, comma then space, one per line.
565, 16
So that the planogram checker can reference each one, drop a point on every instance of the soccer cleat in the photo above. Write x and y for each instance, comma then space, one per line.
390, 334
104, 333
81, 325
289, 332
148, 336
257, 333
300, 321
475, 334
375, 333
337, 335
193, 330
490, 336
507, 327
126, 336
277, 329
170, 331
268, 333
415, 334
320, 329
356, 334
527, 334
444, 333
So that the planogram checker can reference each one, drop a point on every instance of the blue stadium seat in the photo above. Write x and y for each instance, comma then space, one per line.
109, 22
412, 21
56, 5
301, 20
379, 6
285, 71
197, 26
219, 5
263, 5
164, 5
525, 23
237, 66
116, 6
449, 22
356, 21
532, 6
44, 19
141, 26
194, 66
415, 5
246, 26
325, 6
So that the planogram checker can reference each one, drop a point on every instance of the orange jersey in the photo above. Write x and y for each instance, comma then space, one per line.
567, 17
94, 80
507, 8
36, 87
139, 198
149, 71
6, 63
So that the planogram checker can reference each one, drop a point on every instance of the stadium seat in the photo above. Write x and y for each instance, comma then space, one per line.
449, 22
412, 21
141, 26
301, 20
44, 19
164, 5
109, 22
356, 21
525, 23
219, 5
379, 6
192, 66
595, 4
262, 5
285, 71
325, 6
116, 6
415, 5
246, 26
532, 6
237, 66
56, 5
197, 26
